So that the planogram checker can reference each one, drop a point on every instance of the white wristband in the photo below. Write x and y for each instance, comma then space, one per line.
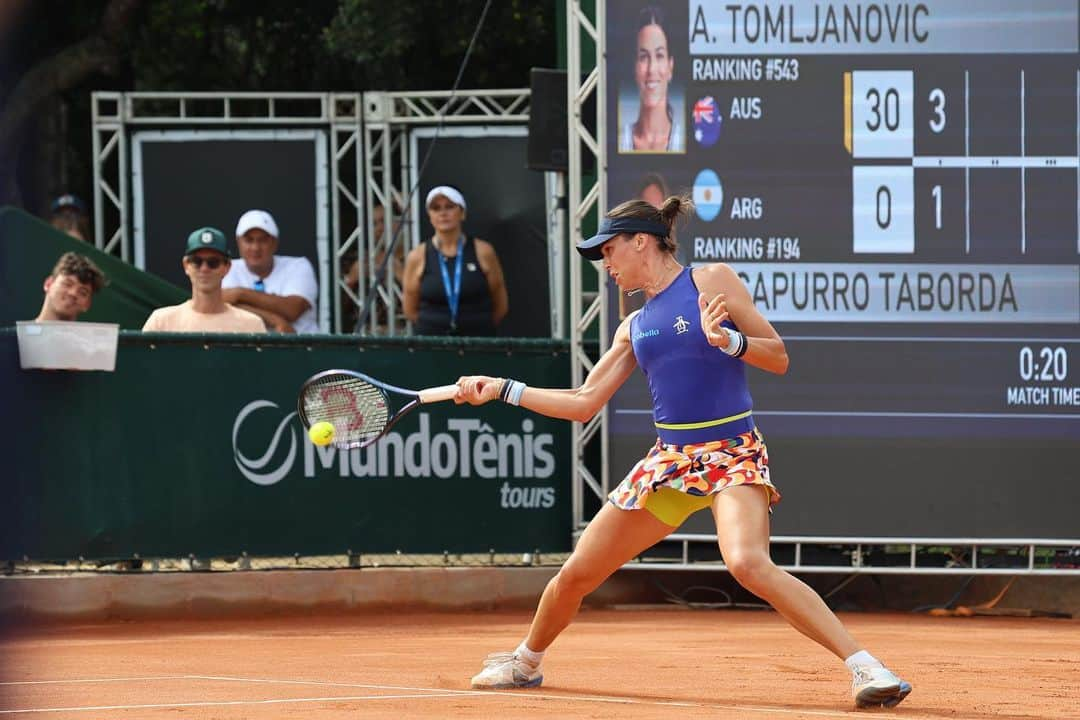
735, 343
515, 393
511, 394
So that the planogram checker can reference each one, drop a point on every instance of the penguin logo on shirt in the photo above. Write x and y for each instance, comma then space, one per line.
680, 325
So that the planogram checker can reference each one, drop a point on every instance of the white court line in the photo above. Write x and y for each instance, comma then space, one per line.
432, 693
325, 683
218, 703
330, 684
94, 680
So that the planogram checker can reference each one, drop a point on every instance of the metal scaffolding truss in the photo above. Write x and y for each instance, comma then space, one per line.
370, 164
879, 556
346, 199
116, 115
463, 106
587, 201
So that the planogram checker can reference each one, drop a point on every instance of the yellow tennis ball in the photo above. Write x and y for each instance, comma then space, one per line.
321, 433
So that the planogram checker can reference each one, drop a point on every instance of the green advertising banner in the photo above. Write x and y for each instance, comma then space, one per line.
193, 446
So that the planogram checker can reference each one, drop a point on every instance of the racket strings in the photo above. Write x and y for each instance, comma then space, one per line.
358, 410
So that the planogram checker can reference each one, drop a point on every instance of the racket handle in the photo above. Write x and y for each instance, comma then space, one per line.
438, 394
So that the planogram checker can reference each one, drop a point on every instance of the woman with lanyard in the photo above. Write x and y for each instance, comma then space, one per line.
453, 284
693, 339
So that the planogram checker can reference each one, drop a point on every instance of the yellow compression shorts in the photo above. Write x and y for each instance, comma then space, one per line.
672, 507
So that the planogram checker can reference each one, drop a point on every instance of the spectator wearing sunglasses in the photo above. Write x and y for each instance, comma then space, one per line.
280, 289
206, 262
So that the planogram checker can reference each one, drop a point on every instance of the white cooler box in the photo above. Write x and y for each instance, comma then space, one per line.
58, 345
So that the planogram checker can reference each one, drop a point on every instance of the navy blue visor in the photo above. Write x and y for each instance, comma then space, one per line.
591, 249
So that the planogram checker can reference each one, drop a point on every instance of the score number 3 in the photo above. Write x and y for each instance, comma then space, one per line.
937, 103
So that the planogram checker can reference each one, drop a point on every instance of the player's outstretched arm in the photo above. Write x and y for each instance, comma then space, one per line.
579, 404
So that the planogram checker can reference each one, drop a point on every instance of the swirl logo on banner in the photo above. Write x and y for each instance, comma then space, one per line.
254, 469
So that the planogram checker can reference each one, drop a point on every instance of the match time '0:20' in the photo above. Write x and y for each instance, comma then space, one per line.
1047, 364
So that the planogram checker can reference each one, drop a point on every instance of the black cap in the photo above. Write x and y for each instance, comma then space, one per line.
591, 249
68, 201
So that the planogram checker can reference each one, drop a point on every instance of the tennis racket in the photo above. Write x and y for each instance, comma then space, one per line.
358, 406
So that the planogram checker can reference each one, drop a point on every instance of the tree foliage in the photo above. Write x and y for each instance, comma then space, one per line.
56, 52
420, 45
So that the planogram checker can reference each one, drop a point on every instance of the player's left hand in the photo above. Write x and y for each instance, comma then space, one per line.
477, 389
713, 313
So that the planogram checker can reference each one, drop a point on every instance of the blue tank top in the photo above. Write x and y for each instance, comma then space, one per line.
699, 393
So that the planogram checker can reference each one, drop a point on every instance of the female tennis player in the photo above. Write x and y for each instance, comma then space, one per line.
694, 337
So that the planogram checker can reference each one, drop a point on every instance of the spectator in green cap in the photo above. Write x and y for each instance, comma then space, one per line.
205, 262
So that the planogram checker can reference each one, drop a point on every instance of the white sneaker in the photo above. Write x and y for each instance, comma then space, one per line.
877, 687
505, 670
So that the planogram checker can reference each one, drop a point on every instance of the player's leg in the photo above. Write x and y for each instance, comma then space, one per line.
742, 528
613, 538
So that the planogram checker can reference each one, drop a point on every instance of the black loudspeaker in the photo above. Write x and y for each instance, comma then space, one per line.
547, 148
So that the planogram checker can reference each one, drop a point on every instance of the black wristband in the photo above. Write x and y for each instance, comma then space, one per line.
744, 345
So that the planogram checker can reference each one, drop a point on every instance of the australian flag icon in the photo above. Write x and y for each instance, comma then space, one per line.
707, 121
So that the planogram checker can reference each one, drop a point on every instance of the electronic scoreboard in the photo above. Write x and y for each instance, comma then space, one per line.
898, 185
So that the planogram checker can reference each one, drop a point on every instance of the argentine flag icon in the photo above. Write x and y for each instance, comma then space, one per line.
708, 195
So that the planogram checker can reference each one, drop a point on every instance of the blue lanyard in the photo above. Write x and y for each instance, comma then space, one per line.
453, 292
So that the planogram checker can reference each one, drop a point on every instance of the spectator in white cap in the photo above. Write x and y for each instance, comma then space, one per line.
453, 284
280, 289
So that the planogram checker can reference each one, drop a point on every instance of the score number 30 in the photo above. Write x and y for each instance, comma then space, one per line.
885, 109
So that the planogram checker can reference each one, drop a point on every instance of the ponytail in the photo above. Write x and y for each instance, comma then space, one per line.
674, 209
669, 214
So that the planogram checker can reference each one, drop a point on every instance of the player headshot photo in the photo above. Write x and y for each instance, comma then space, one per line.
651, 105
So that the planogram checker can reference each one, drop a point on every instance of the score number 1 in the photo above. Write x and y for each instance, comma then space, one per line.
881, 113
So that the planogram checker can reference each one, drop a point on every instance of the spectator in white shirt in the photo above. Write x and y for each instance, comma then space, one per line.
280, 289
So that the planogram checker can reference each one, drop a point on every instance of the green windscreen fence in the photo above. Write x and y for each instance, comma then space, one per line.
193, 446
30, 247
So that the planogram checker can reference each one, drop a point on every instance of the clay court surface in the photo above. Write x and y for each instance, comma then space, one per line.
609, 664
